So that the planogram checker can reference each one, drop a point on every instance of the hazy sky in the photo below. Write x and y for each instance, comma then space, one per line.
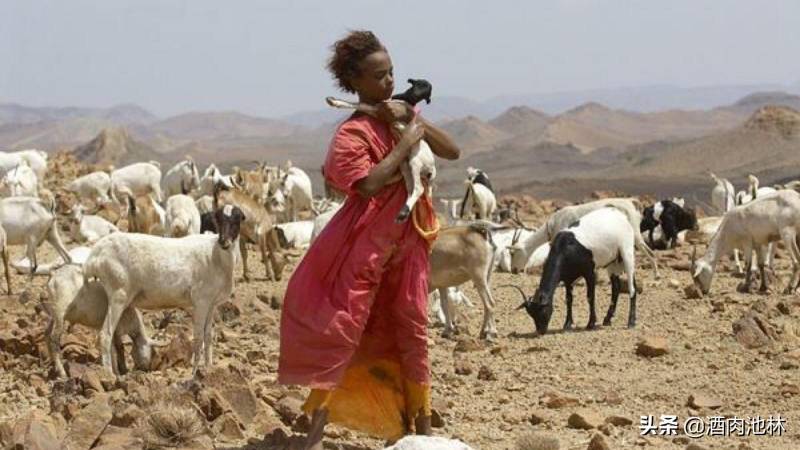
267, 58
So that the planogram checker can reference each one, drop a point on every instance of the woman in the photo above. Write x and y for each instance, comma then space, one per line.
354, 320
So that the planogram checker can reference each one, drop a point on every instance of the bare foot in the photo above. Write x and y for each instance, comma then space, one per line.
316, 430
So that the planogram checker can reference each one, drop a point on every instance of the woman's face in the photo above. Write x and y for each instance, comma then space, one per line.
375, 83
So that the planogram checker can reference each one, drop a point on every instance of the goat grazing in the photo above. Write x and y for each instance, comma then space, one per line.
141, 178
563, 218
149, 272
751, 227
95, 187
420, 161
69, 298
603, 238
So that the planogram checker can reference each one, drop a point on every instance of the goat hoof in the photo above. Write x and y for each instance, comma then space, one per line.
631, 324
607, 323
567, 326
402, 216
743, 288
591, 326
788, 290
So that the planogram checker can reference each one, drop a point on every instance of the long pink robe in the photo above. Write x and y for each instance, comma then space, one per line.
361, 290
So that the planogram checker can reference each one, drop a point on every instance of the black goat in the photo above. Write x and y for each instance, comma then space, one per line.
673, 219
420, 90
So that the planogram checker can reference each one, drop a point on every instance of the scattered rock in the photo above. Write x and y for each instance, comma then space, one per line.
699, 400
127, 417
486, 374
537, 441
538, 417
652, 346
584, 420
118, 438
598, 442
437, 421
468, 345
289, 408
35, 431
177, 353
691, 292
89, 424
228, 427
612, 398
695, 446
462, 367
673, 283
557, 400
619, 421
753, 331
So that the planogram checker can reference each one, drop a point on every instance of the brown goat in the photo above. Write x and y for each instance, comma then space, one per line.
144, 215
256, 229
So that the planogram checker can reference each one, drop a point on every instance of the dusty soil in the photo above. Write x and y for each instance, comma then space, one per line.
520, 384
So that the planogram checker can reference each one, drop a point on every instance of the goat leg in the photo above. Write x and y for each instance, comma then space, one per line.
616, 287
5, 267
568, 321
591, 281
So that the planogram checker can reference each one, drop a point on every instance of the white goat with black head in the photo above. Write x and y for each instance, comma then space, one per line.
420, 161
749, 227
604, 238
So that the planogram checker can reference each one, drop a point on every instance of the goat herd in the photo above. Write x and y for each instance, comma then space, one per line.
186, 232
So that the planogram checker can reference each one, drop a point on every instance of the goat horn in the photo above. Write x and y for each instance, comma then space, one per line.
524, 297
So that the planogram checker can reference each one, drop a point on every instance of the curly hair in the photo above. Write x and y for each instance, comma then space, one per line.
348, 52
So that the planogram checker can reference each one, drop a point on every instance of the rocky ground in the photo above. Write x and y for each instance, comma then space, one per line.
728, 354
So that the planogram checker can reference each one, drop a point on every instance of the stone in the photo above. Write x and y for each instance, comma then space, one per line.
127, 417
537, 441
598, 442
462, 368
35, 431
652, 346
118, 438
557, 400
695, 446
699, 400
691, 292
673, 283
233, 385
753, 331
89, 424
468, 345
177, 353
486, 374
289, 408
619, 421
584, 420
437, 421
612, 398
537, 417
228, 427
91, 381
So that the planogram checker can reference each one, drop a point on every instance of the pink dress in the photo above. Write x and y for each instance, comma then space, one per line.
361, 290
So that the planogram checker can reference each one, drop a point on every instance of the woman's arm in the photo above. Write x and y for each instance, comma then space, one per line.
385, 172
441, 144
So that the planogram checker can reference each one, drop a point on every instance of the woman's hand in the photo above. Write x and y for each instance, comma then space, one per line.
411, 135
392, 111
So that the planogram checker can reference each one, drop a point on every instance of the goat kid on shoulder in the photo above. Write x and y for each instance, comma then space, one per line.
420, 162
604, 238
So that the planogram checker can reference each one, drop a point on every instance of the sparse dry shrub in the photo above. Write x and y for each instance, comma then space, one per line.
171, 425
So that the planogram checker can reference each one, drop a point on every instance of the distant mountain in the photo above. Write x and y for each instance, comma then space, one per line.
114, 146
124, 114
521, 120
751, 103
472, 134
219, 125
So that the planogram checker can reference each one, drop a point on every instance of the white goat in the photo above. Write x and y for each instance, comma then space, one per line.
143, 178
479, 201
451, 209
28, 221
210, 178
72, 300
182, 216
295, 234
295, 185
95, 187
603, 238
722, 195
322, 220
77, 254
420, 160
753, 191
563, 218
36, 159
151, 272
182, 178
455, 296
89, 228
204, 204
21, 181
751, 227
